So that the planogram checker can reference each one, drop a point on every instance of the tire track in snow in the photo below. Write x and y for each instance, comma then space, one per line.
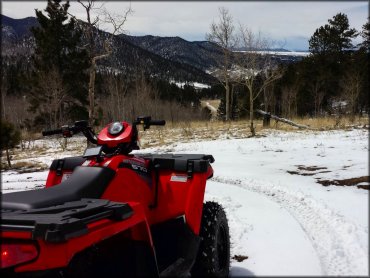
333, 237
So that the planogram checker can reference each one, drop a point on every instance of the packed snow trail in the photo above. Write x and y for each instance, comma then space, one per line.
334, 218
333, 238
265, 232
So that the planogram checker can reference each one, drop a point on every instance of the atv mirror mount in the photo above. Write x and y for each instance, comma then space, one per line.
93, 152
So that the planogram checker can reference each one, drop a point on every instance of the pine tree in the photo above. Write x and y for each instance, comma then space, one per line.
10, 137
60, 64
334, 37
365, 34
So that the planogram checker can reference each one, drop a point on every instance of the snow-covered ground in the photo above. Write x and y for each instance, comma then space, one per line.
284, 222
281, 53
196, 85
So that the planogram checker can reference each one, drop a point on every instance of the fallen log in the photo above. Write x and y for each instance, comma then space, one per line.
269, 115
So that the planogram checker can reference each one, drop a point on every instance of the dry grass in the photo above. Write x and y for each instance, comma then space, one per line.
24, 166
202, 130
212, 130
324, 123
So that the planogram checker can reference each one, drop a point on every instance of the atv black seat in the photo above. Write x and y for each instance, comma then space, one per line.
191, 163
85, 182
66, 163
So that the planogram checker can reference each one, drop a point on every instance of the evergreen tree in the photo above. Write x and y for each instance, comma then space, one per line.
60, 64
365, 34
332, 48
10, 137
333, 37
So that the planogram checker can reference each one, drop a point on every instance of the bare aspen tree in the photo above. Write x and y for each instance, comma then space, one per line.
116, 91
4, 89
269, 99
289, 101
253, 64
16, 110
116, 21
317, 89
52, 83
351, 87
222, 33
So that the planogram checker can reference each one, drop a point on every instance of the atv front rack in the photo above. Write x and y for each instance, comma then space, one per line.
62, 222
189, 163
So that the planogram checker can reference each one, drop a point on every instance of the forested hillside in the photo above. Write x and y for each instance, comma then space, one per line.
141, 75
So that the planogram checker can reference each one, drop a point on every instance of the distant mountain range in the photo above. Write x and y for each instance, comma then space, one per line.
17, 28
17, 42
200, 54
171, 58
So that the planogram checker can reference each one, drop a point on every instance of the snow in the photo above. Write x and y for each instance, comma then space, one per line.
265, 232
196, 85
281, 53
289, 224
286, 223
13, 181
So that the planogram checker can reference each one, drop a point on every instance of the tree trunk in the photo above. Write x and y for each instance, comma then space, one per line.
3, 114
252, 128
232, 116
227, 110
266, 120
8, 158
92, 93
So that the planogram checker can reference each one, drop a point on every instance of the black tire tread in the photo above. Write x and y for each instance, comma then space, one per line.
206, 264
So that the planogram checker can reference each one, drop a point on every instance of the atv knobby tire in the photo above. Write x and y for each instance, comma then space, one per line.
213, 259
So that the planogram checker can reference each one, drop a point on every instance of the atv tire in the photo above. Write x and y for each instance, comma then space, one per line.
213, 259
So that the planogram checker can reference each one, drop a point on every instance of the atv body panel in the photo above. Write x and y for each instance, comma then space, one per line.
154, 200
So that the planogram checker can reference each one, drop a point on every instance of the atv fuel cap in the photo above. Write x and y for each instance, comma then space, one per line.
115, 128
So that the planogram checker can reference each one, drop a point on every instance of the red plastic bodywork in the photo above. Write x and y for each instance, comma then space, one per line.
54, 255
104, 138
17, 252
54, 179
176, 197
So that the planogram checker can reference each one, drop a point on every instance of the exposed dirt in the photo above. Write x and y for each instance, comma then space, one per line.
310, 168
301, 174
240, 258
348, 182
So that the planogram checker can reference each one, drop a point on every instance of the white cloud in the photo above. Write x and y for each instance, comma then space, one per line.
191, 20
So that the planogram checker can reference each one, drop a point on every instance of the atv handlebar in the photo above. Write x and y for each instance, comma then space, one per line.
157, 122
68, 131
82, 126
51, 132
147, 121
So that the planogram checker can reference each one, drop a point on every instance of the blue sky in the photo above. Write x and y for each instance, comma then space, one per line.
287, 22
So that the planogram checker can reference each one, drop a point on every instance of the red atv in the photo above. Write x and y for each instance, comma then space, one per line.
110, 213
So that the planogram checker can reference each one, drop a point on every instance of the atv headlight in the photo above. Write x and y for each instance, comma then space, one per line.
115, 128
